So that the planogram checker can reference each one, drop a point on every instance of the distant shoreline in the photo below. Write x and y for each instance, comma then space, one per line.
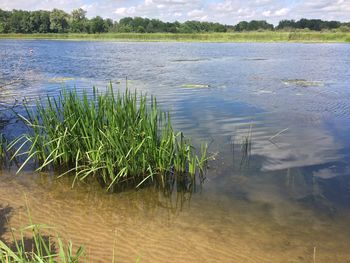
234, 37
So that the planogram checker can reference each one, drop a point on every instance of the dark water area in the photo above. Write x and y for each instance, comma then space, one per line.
289, 195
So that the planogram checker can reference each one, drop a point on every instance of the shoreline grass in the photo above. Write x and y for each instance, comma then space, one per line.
265, 36
34, 243
38, 247
119, 139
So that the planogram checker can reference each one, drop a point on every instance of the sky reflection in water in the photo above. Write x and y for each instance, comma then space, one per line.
293, 97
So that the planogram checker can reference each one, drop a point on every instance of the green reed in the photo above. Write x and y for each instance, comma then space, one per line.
42, 249
31, 245
251, 36
118, 138
246, 144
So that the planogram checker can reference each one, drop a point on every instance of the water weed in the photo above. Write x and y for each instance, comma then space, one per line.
118, 138
37, 247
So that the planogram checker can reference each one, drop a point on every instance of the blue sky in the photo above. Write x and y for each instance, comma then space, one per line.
223, 11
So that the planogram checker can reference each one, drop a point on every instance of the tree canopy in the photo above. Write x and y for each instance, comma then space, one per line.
312, 24
58, 21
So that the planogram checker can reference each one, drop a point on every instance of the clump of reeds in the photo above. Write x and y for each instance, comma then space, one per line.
246, 144
115, 137
37, 247
246, 147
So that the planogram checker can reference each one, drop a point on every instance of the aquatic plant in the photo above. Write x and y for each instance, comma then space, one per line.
196, 86
37, 247
246, 144
246, 147
41, 251
118, 138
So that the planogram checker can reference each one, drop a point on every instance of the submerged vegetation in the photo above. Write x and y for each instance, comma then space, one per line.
120, 139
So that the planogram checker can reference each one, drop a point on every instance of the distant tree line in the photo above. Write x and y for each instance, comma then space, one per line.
312, 24
58, 21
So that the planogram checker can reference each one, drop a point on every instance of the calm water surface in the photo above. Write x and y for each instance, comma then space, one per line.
287, 201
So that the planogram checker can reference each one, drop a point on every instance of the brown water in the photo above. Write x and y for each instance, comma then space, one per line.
198, 228
288, 200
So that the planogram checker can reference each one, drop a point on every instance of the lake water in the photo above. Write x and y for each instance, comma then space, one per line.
287, 200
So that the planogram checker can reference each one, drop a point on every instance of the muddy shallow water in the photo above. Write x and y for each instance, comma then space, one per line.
207, 227
288, 200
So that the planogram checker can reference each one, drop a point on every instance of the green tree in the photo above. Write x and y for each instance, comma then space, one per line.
78, 21
286, 24
140, 29
126, 25
4, 16
44, 26
78, 14
138, 22
172, 27
108, 25
58, 21
253, 25
242, 26
15, 21
98, 25
150, 28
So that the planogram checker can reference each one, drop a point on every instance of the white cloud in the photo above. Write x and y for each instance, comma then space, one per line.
282, 12
120, 11
323, 9
197, 15
276, 13
223, 11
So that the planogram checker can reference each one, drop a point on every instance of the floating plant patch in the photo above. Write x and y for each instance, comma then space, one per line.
60, 79
302, 83
195, 86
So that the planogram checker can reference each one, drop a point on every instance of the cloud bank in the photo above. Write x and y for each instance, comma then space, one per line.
223, 11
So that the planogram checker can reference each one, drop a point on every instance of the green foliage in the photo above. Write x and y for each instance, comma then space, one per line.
58, 21
117, 138
40, 21
98, 25
253, 25
4, 17
312, 24
38, 247
79, 22
78, 14
141, 25
228, 37
344, 28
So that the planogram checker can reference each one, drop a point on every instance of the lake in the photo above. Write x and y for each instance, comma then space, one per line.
285, 199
